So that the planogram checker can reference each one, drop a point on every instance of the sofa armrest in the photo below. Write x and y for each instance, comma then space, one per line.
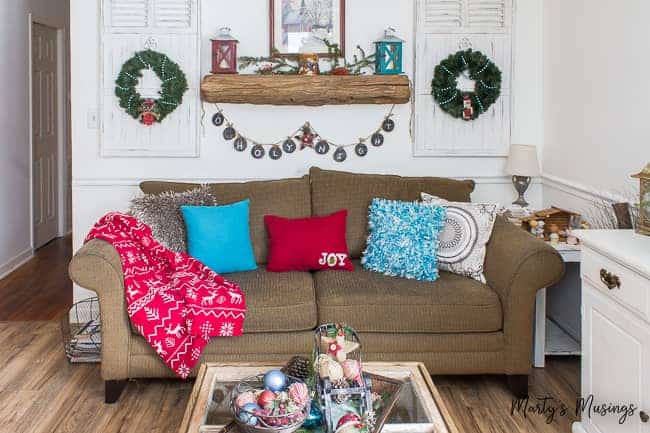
97, 267
516, 267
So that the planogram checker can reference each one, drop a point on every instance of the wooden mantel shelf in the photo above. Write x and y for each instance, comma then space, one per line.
311, 91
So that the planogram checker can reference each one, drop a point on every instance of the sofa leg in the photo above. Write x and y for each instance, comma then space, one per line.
518, 385
113, 389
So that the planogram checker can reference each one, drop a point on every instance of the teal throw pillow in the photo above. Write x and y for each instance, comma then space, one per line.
404, 239
219, 236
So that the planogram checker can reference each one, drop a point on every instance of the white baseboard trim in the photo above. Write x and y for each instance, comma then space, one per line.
16, 262
580, 191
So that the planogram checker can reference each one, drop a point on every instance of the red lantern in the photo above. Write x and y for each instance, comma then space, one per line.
224, 53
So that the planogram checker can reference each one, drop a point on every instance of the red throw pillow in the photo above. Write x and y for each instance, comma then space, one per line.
308, 244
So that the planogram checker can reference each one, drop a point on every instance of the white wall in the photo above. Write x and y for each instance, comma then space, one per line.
15, 160
101, 184
596, 87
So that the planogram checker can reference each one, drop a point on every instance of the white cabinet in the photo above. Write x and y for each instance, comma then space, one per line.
615, 331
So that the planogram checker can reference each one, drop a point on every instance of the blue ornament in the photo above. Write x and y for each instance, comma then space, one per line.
315, 417
245, 414
275, 380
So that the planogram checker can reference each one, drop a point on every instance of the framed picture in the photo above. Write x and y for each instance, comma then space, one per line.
291, 21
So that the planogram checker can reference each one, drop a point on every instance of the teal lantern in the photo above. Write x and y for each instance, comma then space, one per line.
388, 54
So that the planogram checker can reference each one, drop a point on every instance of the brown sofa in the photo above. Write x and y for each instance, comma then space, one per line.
454, 326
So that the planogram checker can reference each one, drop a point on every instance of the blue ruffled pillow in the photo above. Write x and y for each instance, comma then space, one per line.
403, 239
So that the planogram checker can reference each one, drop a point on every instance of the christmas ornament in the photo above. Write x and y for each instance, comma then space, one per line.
388, 125
327, 367
266, 398
289, 145
315, 417
352, 370
245, 398
298, 393
218, 119
275, 153
468, 110
229, 133
258, 151
361, 150
342, 396
377, 139
148, 114
340, 155
338, 347
240, 144
349, 419
173, 87
460, 103
246, 414
306, 136
322, 147
275, 380
298, 367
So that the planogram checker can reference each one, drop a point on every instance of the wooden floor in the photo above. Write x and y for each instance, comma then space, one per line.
40, 289
41, 393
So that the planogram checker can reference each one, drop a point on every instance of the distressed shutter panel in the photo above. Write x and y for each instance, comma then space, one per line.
492, 14
443, 13
128, 13
173, 14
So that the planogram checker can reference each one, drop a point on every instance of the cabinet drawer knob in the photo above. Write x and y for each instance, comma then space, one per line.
644, 417
612, 281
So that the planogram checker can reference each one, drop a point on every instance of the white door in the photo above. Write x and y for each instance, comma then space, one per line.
616, 358
45, 134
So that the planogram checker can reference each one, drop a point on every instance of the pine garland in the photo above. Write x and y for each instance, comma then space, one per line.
173, 85
480, 68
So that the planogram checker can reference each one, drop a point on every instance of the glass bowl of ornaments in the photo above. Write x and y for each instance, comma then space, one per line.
271, 402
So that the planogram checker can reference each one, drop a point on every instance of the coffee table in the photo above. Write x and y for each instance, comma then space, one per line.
418, 410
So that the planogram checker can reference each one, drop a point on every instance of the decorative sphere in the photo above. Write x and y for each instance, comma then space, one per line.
246, 416
351, 369
348, 419
266, 398
244, 398
275, 380
315, 417
299, 394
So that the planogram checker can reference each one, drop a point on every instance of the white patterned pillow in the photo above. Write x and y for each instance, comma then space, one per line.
465, 236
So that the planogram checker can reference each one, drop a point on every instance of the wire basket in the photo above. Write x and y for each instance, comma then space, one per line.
286, 423
81, 332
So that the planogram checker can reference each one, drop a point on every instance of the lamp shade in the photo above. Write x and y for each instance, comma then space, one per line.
523, 161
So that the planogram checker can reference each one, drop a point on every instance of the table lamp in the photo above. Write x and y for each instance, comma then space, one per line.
523, 166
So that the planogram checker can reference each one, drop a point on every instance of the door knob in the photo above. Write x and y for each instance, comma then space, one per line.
612, 281
644, 417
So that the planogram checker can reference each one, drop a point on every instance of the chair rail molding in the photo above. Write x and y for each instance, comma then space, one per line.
579, 190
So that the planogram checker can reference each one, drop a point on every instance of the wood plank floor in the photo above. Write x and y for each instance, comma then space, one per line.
40, 289
41, 393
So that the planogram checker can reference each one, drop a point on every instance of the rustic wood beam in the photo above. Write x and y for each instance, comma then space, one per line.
310, 91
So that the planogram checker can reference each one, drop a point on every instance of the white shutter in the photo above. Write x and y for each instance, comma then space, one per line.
166, 26
128, 13
443, 13
487, 13
444, 27
173, 14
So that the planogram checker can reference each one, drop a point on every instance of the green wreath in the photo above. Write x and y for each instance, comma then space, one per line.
466, 105
172, 89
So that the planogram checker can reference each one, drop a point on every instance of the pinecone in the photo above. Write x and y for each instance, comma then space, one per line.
343, 385
298, 367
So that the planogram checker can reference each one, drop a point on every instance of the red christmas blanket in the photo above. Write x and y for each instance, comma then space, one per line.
174, 301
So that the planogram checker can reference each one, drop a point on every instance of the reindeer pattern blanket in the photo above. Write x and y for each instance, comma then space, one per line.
174, 301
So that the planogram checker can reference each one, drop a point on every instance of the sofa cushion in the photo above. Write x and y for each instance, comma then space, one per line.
277, 302
334, 190
372, 302
288, 198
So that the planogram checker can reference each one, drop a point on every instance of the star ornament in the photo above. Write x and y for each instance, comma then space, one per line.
338, 347
307, 138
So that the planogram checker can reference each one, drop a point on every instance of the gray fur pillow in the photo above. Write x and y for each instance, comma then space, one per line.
162, 212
